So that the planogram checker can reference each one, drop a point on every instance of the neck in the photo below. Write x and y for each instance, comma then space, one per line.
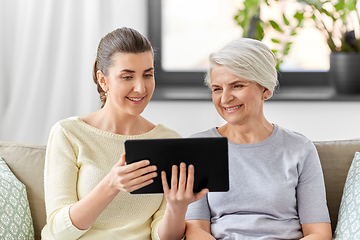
253, 132
124, 124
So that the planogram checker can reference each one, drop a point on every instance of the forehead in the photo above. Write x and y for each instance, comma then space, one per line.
133, 61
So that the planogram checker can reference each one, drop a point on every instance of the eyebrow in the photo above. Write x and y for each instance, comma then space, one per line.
149, 69
237, 81
127, 70
132, 71
232, 83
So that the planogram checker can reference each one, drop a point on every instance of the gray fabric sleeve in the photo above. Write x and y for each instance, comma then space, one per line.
311, 196
199, 210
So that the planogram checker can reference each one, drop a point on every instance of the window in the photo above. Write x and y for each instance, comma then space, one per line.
181, 59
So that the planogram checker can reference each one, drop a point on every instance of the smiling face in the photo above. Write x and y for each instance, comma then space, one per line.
129, 82
237, 101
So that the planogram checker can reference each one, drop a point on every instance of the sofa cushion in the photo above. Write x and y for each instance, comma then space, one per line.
336, 158
348, 225
27, 163
15, 215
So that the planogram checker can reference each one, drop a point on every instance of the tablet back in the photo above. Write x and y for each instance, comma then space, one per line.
208, 155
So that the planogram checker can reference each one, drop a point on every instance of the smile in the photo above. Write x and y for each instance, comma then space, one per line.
135, 99
232, 108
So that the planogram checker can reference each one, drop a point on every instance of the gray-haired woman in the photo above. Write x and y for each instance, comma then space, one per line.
276, 183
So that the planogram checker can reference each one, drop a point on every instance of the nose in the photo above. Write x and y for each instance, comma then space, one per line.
139, 86
226, 96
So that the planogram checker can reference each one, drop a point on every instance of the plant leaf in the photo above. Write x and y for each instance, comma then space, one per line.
275, 40
285, 20
276, 26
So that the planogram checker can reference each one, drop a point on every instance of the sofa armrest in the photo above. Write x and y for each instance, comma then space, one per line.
27, 163
336, 158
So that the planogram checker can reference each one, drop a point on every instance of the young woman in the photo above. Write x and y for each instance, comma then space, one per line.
87, 183
276, 183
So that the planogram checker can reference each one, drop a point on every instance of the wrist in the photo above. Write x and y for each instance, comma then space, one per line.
176, 210
108, 184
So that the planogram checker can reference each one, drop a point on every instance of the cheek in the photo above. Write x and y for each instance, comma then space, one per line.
150, 85
216, 99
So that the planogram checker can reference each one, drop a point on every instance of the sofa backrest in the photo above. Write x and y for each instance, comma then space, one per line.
27, 164
336, 158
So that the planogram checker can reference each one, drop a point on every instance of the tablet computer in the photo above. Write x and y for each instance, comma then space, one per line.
208, 155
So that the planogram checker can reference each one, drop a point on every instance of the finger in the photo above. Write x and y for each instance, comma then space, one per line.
201, 194
141, 179
190, 178
122, 160
164, 183
141, 185
182, 178
136, 166
174, 178
142, 171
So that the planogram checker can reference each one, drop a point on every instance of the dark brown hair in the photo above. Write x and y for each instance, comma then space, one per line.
121, 40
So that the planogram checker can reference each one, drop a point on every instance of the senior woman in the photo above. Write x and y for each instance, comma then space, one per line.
276, 182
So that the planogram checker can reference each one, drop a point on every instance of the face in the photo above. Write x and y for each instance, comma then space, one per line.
237, 101
129, 83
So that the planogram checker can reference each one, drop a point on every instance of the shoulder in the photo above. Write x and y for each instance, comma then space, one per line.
290, 137
67, 124
212, 132
166, 132
70, 126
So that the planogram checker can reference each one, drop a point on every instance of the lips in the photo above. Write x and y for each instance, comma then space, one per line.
135, 99
232, 108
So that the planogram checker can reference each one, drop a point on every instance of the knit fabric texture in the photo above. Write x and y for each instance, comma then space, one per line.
78, 157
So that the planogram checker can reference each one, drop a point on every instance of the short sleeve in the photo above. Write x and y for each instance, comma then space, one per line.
199, 210
311, 195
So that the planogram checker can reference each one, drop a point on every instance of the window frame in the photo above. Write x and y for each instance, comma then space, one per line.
189, 78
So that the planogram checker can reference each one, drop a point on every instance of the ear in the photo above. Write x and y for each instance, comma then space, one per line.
102, 80
266, 94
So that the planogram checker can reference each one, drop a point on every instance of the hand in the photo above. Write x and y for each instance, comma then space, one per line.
128, 178
181, 193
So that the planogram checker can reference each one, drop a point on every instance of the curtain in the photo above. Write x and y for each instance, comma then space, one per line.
47, 51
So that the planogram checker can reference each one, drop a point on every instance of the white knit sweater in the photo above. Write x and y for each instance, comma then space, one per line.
78, 157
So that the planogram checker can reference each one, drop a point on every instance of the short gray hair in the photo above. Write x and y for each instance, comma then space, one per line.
248, 59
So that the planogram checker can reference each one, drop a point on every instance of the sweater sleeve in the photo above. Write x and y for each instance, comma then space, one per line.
60, 179
157, 217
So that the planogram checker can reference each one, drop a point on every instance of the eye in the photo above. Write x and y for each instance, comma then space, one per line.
126, 77
216, 89
148, 75
238, 86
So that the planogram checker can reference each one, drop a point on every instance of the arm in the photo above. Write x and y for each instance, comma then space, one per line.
61, 179
317, 231
311, 197
178, 198
121, 178
198, 229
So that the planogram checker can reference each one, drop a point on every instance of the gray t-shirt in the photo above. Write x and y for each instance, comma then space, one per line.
275, 186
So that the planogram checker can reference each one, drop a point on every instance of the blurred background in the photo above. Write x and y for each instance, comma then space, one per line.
48, 47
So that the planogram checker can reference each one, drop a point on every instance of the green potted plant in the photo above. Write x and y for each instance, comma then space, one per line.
248, 18
339, 22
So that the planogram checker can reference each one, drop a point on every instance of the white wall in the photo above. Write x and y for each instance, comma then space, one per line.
316, 120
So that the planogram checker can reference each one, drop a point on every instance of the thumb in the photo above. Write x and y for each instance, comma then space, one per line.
201, 194
122, 160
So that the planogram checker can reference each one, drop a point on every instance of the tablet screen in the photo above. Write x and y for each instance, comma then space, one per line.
208, 155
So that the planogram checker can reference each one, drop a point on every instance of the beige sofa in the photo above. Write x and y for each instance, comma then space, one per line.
27, 163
